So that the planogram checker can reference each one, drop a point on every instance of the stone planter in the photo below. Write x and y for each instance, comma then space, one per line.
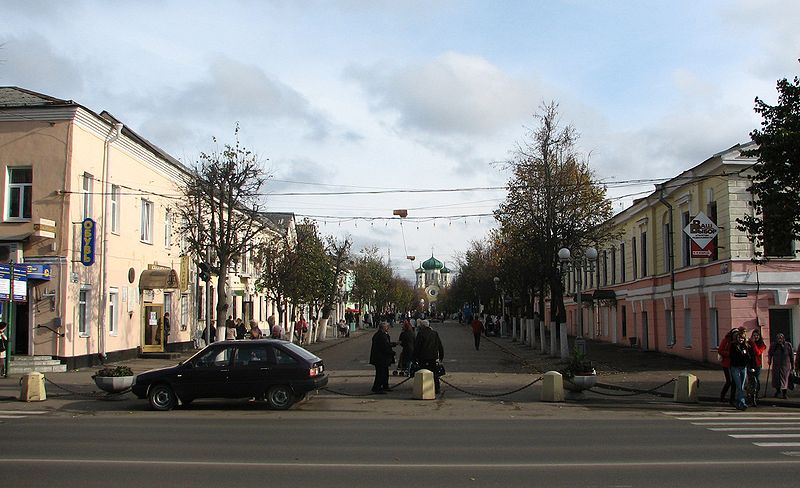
580, 382
114, 384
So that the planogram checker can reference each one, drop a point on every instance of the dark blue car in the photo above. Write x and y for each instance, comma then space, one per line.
277, 371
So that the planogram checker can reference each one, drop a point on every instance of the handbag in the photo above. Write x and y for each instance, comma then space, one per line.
440, 369
794, 379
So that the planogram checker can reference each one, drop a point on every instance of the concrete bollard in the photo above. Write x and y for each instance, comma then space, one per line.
552, 387
686, 389
424, 388
32, 388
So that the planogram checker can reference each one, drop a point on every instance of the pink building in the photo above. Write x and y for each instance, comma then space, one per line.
649, 289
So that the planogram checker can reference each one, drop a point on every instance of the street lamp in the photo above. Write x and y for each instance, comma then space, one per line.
568, 262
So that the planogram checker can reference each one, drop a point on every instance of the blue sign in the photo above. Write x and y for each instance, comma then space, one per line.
88, 228
39, 272
5, 282
19, 285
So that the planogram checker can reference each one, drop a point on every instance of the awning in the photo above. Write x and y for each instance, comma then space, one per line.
152, 279
604, 295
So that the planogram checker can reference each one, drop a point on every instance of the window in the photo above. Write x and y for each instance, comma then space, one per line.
670, 327
778, 239
20, 185
667, 239
83, 313
624, 313
711, 213
113, 302
87, 182
686, 257
635, 258
622, 262
184, 311
605, 268
115, 208
613, 265
168, 229
644, 254
687, 327
245, 263
146, 224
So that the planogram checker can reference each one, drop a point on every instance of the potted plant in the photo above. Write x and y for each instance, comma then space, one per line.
580, 373
114, 379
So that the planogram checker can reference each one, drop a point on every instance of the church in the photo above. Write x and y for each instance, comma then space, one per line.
432, 277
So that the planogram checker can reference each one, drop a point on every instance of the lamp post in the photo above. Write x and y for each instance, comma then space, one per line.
568, 262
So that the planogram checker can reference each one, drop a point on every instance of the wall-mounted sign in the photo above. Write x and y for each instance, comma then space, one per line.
19, 283
39, 272
88, 228
702, 231
5, 282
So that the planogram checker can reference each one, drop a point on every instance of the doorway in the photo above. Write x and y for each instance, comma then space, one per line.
152, 330
780, 322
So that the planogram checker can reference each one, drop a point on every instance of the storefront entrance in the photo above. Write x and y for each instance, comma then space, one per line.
152, 328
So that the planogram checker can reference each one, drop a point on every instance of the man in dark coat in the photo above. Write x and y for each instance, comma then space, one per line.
428, 350
381, 355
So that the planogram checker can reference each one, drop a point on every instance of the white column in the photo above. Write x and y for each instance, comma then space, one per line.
542, 337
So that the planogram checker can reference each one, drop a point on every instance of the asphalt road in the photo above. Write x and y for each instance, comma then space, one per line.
393, 440
191, 448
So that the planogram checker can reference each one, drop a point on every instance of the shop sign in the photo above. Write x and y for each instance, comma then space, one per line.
88, 228
702, 232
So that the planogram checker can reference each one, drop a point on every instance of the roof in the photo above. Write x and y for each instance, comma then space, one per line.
432, 263
13, 96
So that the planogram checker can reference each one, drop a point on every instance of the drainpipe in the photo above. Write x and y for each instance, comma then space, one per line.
101, 339
671, 260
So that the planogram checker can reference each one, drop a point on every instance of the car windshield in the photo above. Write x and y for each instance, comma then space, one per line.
300, 352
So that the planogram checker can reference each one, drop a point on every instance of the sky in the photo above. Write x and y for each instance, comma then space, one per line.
357, 95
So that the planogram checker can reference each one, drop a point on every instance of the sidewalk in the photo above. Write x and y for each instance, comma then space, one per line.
621, 371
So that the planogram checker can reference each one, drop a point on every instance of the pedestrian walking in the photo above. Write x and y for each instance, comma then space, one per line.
407, 337
724, 352
3, 347
758, 347
428, 350
381, 355
477, 330
740, 356
166, 325
255, 331
781, 361
241, 329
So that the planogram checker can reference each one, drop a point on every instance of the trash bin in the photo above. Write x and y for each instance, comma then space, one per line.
352, 326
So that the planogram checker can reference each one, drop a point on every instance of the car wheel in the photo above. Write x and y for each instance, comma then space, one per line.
162, 397
280, 397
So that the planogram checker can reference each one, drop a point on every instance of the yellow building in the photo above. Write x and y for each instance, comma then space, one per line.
88, 208
653, 288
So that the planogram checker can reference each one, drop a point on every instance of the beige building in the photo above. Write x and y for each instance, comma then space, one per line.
87, 206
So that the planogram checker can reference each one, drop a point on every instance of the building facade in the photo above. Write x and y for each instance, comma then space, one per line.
88, 210
654, 288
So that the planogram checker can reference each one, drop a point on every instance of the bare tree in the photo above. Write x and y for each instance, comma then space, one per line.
219, 218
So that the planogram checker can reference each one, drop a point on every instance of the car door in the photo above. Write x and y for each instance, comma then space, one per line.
208, 374
286, 368
250, 371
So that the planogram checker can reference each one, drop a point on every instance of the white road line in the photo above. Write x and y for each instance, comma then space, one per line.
777, 444
737, 419
765, 436
25, 412
744, 429
731, 413
383, 466
748, 423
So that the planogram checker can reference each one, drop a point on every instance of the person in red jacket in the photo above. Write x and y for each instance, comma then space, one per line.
758, 347
477, 329
724, 351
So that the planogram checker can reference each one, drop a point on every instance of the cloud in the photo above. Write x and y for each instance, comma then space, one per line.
288, 175
237, 91
452, 94
32, 62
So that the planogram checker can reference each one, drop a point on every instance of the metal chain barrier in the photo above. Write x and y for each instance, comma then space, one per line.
490, 395
632, 391
97, 396
335, 392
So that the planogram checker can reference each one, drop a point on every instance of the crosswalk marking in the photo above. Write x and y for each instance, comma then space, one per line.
764, 429
18, 414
